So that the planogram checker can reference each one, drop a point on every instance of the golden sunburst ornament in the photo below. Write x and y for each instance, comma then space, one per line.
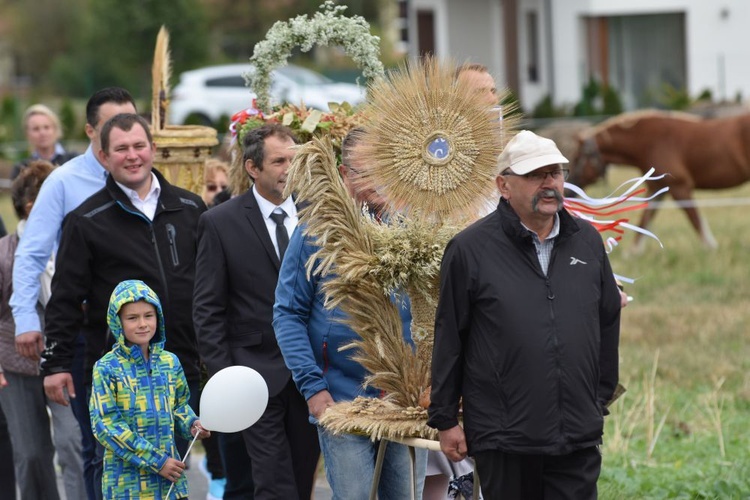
432, 145
431, 149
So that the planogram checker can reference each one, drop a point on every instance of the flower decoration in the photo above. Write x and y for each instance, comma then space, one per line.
327, 27
306, 123
246, 119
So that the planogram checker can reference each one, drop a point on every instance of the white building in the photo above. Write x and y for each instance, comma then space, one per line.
552, 47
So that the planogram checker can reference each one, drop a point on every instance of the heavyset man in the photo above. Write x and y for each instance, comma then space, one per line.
527, 333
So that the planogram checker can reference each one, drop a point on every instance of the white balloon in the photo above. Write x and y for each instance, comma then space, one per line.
233, 399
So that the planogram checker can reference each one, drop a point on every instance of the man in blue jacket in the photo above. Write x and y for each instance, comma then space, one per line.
310, 337
527, 332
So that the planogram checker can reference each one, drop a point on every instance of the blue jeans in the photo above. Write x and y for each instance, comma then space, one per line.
350, 467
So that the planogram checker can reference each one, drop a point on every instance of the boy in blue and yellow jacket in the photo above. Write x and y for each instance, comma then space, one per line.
139, 395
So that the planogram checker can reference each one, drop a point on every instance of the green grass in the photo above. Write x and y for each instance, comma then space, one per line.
682, 429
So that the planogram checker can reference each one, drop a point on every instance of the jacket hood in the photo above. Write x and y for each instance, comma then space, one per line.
133, 291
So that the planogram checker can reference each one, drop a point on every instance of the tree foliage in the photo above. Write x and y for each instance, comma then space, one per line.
76, 47
116, 44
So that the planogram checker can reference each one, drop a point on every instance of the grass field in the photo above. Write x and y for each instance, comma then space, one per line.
682, 430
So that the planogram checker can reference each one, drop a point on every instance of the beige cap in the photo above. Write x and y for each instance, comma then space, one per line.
527, 152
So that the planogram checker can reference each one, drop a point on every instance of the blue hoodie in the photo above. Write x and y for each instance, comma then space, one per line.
135, 405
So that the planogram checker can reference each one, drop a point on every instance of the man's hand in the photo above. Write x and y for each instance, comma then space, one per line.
172, 469
624, 299
453, 443
55, 386
319, 403
30, 345
3, 382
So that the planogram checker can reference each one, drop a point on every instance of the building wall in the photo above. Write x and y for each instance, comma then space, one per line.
465, 30
716, 42
716, 48
476, 37
531, 92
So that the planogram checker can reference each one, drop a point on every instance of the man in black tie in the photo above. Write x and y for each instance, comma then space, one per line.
240, 246
282, 236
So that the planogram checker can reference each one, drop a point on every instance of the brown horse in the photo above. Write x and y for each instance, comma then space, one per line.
693, 153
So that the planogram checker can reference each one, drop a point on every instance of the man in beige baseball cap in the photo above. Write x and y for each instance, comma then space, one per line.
531, 180
526, 332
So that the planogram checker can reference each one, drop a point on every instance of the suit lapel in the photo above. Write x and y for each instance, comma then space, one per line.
254, 215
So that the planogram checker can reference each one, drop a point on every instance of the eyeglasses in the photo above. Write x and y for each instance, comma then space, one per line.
213, 187
537, 176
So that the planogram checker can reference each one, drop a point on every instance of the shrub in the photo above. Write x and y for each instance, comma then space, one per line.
674, 98
546, 109
611, 102
598, 99
68, 120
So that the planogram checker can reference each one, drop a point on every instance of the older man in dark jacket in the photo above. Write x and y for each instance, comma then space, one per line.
527, 332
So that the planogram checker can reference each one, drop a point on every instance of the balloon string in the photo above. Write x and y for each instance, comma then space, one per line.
184, 459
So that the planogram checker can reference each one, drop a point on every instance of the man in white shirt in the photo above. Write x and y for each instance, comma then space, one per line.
240, 247
137, 227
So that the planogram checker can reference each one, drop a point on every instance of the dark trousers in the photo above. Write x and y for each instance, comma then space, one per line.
214, 464
237, 468
7, 470
94, 460
539, 477
181, 443
283, 448
92, 466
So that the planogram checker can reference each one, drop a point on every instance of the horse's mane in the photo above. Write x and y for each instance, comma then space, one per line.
626, 120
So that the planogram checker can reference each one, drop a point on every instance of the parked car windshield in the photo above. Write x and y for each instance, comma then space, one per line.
303, 76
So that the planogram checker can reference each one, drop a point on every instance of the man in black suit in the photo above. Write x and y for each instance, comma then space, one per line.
240, 247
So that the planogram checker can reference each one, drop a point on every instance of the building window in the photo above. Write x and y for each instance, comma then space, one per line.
425, 32
532, 45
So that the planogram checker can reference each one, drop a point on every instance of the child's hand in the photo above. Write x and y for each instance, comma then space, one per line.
198, 428
172, 470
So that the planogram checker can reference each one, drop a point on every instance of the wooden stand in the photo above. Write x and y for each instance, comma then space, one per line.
181, 153
412, 444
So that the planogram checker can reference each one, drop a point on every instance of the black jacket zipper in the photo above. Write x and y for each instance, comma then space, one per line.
172, 236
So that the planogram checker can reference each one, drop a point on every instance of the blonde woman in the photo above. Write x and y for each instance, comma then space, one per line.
43, 133
215, 179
